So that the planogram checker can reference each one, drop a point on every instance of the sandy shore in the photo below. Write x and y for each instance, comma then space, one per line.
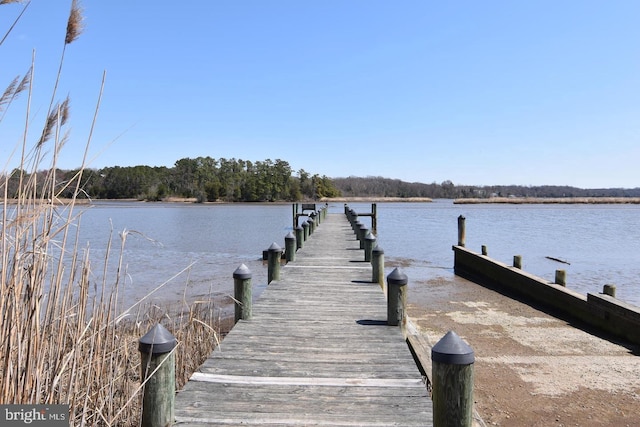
531, 368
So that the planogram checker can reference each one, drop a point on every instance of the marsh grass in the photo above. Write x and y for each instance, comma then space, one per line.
66, 334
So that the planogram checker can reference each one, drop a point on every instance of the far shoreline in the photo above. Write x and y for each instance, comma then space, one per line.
550, 200
367, 199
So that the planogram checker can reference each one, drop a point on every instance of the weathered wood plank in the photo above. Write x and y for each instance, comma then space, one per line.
317, 351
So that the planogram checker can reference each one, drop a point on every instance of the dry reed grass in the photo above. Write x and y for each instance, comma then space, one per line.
67, 337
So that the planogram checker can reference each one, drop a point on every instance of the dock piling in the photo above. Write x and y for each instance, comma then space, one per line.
290, 247
452, 381
273, 268
158, 374
242, 293
305, 228
561, 277
517, 261
396, 297
362, 233
377, 265
462, 231
369, 243
299, 237
609, 290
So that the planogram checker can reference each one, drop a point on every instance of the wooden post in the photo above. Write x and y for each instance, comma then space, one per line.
273, 268
305, 227
299, 236
242, 293
452, 382
377, 265
484, 250
295, 215
158, 373
356, 227
369, 243
517, 261
561, 277
290, 247
462, 232
355, 222
609, 290
362, 234
374, 218
396, 297
312, 224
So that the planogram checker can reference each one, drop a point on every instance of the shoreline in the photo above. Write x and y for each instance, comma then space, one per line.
550, 200
460, 201
377, 199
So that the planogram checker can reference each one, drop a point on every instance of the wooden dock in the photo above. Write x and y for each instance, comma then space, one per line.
317, 350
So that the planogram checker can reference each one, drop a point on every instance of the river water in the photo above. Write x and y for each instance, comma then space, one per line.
191, 251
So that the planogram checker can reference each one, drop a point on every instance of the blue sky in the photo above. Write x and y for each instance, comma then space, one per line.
476, 92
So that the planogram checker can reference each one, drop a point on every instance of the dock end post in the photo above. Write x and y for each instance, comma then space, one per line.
158, 366
452, 382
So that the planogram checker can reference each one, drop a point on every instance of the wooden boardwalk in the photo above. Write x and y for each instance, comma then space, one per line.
316, 352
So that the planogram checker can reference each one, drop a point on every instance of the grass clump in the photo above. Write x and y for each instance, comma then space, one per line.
66, 337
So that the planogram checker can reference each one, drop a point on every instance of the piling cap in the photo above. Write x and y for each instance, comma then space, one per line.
370, 236
452, 350
397, 278
378, 249
157, 341
290, 236
242, 272
274, 248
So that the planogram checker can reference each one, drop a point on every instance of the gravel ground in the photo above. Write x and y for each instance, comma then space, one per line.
531, 368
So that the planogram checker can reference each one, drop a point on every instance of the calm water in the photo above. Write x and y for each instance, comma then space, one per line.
203, 244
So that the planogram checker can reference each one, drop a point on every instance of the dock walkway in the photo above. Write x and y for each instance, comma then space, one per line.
317, 350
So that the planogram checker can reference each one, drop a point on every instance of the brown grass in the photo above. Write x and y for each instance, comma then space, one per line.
67, 337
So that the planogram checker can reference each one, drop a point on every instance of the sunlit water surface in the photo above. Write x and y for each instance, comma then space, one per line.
193, 250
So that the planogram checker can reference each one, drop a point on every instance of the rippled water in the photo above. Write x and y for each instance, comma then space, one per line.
601, 243
208, 242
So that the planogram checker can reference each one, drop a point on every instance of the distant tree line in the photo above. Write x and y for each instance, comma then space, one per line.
202, 178
385, 187
234, 180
